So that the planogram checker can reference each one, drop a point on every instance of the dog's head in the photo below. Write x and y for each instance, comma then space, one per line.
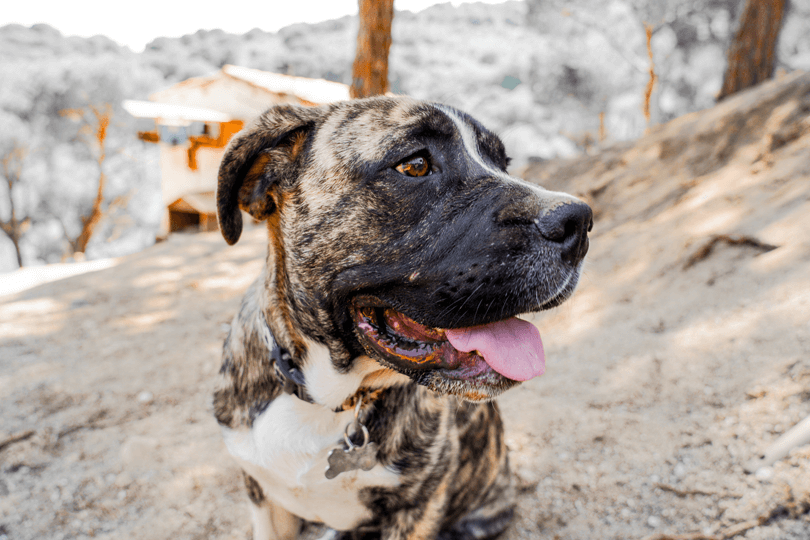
395, 231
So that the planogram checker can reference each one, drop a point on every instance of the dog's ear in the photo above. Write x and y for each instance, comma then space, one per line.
265, 154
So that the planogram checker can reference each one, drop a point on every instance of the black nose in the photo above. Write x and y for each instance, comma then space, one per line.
568, 226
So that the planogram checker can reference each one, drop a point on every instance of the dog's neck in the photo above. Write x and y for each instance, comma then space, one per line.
364, 383
308, 368
291, 376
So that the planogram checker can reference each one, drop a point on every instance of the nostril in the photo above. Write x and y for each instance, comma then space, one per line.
570, 229
565, 221
568, 225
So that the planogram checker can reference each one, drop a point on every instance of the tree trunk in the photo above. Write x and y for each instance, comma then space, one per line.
752, 54
13, 227
12, 164
90, 221
13, 230
370, 69
16, 242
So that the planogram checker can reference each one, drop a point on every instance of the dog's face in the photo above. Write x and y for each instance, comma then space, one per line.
396, 232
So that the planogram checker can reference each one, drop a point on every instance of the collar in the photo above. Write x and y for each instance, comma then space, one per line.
293, 381
291, 377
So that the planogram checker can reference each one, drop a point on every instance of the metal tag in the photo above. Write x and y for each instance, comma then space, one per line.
349, 456
350, 459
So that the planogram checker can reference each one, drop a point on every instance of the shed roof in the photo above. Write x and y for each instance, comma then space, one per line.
313, 90
170, 114
202, 203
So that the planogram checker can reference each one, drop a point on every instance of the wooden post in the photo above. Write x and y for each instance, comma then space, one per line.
370, 69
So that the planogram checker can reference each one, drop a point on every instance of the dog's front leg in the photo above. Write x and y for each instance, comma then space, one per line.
270, 521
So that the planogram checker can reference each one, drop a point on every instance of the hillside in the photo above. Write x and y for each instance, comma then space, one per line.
684, 353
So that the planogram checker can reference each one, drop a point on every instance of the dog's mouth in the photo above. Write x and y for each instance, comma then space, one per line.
491, 356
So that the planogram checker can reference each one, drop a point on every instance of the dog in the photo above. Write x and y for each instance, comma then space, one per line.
359, 372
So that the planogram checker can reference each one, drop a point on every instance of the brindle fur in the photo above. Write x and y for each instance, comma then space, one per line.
339, 223
450, 453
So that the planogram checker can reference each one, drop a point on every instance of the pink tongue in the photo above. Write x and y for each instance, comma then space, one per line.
512, 347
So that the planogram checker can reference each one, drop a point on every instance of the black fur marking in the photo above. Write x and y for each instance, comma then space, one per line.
254, 490
488, 528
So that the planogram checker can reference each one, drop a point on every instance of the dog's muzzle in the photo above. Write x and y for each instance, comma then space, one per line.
489, 353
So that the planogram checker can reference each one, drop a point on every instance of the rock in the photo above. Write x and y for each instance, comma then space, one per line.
764, 474
123, 480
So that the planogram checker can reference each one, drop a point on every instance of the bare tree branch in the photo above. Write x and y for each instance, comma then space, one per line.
12, 164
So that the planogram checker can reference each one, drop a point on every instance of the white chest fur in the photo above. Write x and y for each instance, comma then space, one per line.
286, 452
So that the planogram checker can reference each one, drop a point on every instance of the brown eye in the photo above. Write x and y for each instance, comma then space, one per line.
415, 166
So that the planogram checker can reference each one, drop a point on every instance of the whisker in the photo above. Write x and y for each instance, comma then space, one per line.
465, 301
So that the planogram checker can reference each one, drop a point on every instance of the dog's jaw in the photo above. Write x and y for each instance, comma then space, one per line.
426, 355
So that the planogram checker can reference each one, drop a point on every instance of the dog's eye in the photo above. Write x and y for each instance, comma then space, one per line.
414, 166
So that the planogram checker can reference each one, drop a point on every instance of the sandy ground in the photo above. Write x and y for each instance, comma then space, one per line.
681, 357
29, 277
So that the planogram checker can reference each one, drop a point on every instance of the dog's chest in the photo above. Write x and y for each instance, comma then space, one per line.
286, 452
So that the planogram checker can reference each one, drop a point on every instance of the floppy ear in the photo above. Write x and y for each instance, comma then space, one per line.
261, 156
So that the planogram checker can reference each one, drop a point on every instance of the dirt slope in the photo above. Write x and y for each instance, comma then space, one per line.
684, 353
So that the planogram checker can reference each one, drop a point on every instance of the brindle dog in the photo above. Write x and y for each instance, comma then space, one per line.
360, 369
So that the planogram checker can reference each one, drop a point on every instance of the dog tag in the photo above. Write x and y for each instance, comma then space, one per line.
350, 459
350, 456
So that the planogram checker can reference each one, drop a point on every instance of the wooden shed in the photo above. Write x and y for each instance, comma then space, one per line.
195, 119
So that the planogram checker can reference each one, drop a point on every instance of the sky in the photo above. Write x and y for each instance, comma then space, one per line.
136, 23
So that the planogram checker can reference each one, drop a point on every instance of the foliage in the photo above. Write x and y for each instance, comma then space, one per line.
541, 73
59, 177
